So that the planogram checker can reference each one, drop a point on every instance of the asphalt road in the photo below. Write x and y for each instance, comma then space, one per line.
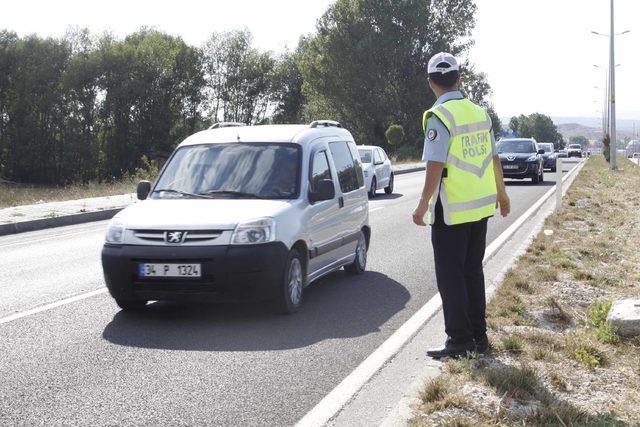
236, 364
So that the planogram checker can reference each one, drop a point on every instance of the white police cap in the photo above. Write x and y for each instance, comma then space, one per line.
443, 62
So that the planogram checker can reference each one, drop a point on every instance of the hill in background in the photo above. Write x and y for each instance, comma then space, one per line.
590, 127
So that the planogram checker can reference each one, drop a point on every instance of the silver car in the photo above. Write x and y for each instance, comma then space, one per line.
243, 212
376, 165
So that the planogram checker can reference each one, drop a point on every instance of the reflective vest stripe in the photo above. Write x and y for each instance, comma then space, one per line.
456, 130
472, 204
448, 208
479, 171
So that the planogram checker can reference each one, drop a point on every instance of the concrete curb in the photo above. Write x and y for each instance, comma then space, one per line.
410, 170
59, 221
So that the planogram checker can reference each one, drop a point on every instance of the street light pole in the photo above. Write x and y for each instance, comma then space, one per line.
613, 149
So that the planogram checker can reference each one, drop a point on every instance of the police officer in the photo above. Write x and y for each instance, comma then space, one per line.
462, 189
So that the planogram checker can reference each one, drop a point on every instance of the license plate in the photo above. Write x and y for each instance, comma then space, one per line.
169, 270
510, 167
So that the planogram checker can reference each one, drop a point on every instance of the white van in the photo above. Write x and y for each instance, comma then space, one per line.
243, 212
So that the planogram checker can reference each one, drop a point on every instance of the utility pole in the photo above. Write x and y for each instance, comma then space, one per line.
612, 94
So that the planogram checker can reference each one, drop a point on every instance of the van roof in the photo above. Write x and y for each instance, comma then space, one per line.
300, 134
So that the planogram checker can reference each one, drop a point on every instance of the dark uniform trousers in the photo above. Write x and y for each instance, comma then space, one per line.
458, 253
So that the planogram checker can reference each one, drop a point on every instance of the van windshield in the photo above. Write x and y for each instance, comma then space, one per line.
235, 170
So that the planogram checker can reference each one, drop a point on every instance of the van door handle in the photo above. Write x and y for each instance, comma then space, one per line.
341, 202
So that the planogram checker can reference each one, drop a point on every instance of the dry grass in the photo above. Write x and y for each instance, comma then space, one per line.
13, 194
19, 194
548, 317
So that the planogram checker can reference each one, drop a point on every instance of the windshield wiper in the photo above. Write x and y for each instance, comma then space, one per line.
184, 193
231, 192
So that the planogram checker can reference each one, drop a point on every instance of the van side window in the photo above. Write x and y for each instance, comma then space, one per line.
345, 166
383, 155
319, 169
358, 162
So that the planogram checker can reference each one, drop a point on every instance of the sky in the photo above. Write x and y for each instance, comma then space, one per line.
538, 54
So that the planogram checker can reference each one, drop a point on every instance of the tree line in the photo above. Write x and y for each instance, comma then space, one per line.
85, 107
538, 126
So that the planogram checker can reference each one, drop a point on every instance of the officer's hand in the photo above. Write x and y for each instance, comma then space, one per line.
504, 203
420, 212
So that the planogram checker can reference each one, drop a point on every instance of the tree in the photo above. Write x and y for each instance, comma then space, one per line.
366, 66
238, 78
152, 83
287, 89
394, 135
496, 123
538, 126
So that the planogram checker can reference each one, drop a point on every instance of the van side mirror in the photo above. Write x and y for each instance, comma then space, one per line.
541, 151
324, 191
143, 189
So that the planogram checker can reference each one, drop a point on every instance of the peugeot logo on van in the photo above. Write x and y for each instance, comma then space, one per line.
511, 158
174, 236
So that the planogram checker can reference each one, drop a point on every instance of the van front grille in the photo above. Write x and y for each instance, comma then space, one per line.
191, 235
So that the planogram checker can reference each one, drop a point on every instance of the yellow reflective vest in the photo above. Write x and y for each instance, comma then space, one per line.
468, 189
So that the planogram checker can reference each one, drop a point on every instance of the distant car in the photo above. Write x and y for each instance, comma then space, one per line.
575, 150
521, 158
635, 156
376, 166
563, 154
549, 156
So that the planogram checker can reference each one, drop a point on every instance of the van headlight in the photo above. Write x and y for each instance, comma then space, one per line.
261, 230
532, 158
115, 232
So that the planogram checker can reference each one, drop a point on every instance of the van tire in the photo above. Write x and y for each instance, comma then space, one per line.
131, 305
290, 292
372, 190
359, 265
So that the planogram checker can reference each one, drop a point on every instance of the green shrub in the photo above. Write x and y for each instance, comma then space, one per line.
512, 344
598, 313
590, 356
394, 135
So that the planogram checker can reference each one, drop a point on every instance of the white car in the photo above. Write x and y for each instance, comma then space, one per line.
377, 169
243, 212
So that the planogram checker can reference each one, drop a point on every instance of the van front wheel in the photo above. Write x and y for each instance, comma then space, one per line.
289, 298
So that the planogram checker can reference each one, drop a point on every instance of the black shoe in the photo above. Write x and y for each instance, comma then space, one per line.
452, 350
482, 344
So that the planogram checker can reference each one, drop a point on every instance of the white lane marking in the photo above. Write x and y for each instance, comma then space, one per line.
376, 209
44, 239
333, 402
52, 305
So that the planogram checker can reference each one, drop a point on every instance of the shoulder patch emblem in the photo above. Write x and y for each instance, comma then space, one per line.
432, 134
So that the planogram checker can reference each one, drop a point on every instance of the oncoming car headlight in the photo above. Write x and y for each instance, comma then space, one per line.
115, 232
532, 158
255, 231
